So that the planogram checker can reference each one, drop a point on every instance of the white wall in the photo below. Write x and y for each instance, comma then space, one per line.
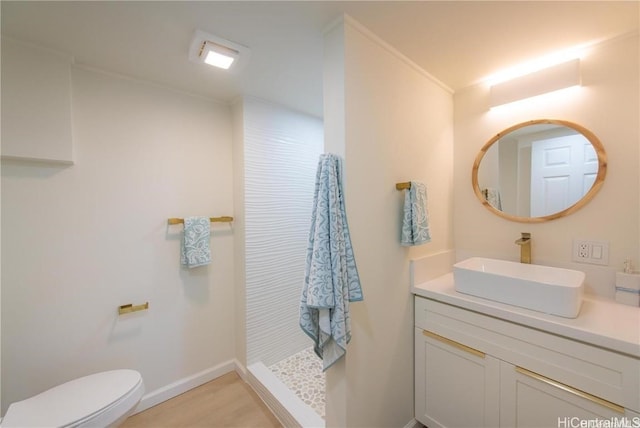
333, 77
397, 127
281, 150
608, 105
79, 241
240, 336
36, 103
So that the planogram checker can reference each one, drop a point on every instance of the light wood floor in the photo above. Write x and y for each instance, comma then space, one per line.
224, 402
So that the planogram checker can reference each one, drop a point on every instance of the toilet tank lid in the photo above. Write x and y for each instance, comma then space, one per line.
71, 402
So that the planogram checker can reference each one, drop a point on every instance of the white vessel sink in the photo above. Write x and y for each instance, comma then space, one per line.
545, 289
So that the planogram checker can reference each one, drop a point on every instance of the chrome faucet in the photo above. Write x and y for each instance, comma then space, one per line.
525, 247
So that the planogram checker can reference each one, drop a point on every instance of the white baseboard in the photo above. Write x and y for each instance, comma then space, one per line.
414, 424
241, 370
183, 385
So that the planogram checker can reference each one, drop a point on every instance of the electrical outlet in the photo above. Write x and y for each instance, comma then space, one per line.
583, 250
592, 252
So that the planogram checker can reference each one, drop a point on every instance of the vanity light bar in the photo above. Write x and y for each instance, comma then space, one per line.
559, 76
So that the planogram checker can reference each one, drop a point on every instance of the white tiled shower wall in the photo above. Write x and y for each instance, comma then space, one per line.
281, 150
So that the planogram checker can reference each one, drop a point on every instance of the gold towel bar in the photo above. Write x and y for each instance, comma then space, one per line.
224, 219
125, 309
403, 186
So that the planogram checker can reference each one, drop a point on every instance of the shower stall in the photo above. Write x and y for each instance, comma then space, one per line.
281, 151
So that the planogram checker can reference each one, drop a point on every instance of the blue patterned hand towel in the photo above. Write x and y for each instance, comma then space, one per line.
493, 197
415, 223
331, 277
195, 249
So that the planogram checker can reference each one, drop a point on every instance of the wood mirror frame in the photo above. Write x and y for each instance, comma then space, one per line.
599, 180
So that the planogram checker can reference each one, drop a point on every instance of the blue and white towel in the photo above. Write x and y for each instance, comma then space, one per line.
195, 250
415, 222
492, 196
331, 277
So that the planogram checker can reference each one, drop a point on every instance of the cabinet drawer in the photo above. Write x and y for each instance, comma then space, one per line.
530, 400
614, 377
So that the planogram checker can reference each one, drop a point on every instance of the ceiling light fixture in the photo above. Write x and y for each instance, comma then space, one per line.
218, 55
218, 52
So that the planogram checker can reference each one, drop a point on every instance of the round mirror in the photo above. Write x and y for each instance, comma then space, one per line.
539, 170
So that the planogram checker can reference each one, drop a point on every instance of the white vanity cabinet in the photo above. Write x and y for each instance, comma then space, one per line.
475, 370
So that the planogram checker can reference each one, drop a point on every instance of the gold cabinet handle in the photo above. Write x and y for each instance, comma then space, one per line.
567, 388
454, 343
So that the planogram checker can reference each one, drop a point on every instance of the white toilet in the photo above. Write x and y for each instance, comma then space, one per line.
99, 400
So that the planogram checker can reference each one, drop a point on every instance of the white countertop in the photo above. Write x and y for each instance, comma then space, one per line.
600, 322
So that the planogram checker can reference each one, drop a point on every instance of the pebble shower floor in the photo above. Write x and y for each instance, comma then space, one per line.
302, 373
